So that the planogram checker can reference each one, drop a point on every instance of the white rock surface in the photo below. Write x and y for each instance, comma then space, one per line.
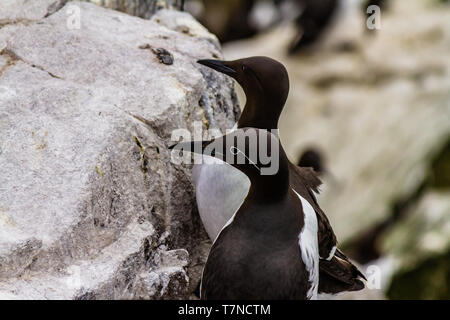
90, 205
24, 11
423, 233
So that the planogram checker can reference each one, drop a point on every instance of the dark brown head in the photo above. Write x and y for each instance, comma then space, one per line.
266, 85
255, 152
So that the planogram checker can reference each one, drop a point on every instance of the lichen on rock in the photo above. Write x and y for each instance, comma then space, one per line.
90, 205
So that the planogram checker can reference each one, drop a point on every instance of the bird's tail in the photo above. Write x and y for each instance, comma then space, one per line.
339, 274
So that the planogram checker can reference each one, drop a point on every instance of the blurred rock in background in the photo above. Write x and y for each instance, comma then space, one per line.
378, 107
140, 8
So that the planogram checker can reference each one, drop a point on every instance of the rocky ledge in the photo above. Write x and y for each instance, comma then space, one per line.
90, 204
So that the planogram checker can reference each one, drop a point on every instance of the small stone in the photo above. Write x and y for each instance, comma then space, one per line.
163, 56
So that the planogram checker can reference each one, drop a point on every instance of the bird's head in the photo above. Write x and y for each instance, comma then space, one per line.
265, 82
255, 152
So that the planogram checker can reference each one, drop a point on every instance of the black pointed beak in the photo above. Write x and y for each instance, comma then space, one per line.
218, 65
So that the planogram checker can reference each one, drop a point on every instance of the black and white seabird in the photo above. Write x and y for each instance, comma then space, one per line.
268, 249
312, 158
220, 189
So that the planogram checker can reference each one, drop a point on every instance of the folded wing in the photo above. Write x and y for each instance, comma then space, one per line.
337, 273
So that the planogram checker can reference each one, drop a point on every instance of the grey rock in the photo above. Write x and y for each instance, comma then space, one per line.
140, 8
24, 11
380, 113
423, 233
90, 205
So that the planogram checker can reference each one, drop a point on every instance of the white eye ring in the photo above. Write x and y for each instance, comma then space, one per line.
234, 150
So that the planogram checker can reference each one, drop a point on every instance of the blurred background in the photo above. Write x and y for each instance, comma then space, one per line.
370, 109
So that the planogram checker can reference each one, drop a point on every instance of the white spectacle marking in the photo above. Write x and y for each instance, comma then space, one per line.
309, 246
235, 151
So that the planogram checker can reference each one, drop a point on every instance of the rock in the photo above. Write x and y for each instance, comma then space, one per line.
24, 11
140, 8
427, 281
90, 205
423, 233
420, 245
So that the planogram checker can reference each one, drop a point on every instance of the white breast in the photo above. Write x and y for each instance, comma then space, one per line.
309, 246
220, 190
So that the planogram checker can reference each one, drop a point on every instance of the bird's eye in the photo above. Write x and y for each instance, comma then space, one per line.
244, 68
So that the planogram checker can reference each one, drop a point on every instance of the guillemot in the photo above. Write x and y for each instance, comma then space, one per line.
311, 157
220, 190
268, 249
313, 21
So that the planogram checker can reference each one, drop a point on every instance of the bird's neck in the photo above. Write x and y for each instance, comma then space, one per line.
278, 221
260, 112
269, 188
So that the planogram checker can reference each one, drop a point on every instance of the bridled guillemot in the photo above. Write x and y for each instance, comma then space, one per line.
220, 189
268, 249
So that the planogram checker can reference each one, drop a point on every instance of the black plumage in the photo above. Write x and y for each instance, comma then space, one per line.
266, 85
